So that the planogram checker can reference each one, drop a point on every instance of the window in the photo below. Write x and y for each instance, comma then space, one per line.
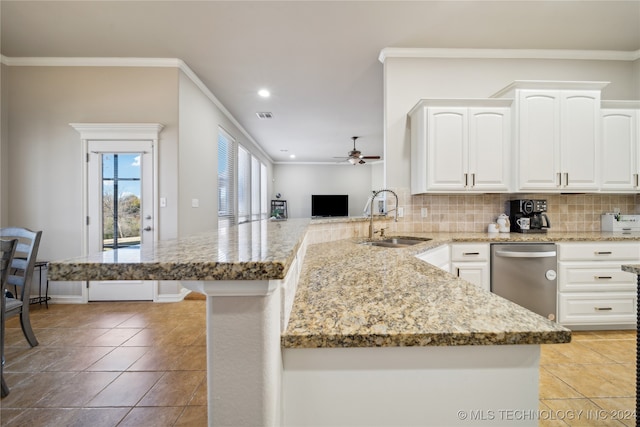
264, 206
226, 179
242, 183
255, 189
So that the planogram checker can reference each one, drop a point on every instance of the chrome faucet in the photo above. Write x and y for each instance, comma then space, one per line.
373, 196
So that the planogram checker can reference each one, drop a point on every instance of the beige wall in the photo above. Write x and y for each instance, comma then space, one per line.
45, 168
4, 164
199, 120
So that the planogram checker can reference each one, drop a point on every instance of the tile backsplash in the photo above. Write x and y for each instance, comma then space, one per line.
473, 212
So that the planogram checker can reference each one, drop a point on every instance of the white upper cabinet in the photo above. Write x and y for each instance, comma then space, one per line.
460, 145
620, 155
557, 132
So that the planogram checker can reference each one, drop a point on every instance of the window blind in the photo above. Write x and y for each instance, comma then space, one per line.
244, 185
226, 179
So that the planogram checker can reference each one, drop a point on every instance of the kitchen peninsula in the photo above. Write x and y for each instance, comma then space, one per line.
376, 336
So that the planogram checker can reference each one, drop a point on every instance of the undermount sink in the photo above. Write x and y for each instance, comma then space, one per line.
397, 242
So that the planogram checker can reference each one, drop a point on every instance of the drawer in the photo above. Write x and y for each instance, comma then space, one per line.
470, 252
581, 276
597, 309
598, 251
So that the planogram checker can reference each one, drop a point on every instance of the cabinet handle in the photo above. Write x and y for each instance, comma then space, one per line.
559, 180
473, 179
603, 252
637, 181
471, 253
466, 180
566, 179
603, 308
603, 277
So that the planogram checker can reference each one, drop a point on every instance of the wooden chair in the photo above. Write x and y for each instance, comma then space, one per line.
7, 250
20, 276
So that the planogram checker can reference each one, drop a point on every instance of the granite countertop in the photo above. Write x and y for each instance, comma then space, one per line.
260, 250
353, 295
632, 268
349, 295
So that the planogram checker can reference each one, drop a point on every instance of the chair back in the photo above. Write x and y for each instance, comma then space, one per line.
7, 251
24, 259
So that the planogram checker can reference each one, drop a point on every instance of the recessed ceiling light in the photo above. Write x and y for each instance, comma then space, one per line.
292, 156
264, 93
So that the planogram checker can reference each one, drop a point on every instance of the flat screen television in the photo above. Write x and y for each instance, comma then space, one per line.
323, 205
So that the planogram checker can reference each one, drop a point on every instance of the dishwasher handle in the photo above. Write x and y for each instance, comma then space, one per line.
522, 254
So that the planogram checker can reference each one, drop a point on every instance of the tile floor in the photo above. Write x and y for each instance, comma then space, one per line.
590, 381
144, 364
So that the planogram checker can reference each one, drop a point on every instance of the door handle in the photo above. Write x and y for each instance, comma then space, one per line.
515, 254
147, 228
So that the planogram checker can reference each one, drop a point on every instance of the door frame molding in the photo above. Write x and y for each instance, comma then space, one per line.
115, 132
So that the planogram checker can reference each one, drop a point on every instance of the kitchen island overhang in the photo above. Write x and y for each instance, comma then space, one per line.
252, 370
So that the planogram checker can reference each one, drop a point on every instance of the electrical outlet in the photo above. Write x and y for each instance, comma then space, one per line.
400, 212
424, 212
163, 202
195, 203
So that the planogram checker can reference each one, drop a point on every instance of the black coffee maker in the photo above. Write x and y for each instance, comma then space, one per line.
528, 216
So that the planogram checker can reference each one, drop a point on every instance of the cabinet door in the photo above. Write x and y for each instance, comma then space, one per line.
580, 139
619, 150
538, 139
489, 149
419, 151
447, 151
473, 272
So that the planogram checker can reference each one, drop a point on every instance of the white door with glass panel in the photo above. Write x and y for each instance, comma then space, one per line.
120, 210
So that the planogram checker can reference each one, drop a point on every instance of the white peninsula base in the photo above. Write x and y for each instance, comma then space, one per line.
494, 385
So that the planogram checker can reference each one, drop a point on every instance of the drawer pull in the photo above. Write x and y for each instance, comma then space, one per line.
471, 253
603, 308
603, 277
603, 252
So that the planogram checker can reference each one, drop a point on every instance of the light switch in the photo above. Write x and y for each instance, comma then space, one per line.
195, 203
163, 202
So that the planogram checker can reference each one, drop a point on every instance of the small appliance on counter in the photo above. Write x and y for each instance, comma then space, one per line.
616, 222
528, 216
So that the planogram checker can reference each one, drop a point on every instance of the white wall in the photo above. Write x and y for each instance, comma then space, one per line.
298, 182
407, 80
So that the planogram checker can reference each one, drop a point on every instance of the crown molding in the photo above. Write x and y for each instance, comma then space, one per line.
597, 55
133, 62
134, 131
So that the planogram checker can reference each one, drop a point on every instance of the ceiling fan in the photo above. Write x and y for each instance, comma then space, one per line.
355, 157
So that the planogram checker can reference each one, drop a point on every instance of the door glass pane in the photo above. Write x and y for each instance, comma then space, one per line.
121, 193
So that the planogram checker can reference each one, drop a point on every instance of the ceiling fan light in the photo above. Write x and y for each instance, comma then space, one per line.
354, 161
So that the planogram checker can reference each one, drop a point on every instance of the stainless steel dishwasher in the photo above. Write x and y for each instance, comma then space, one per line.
525, 273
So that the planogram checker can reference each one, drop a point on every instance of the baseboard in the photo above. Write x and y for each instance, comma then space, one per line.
173, 297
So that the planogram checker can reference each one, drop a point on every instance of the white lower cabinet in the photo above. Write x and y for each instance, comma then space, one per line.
439, 257
593, 291
470, 261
